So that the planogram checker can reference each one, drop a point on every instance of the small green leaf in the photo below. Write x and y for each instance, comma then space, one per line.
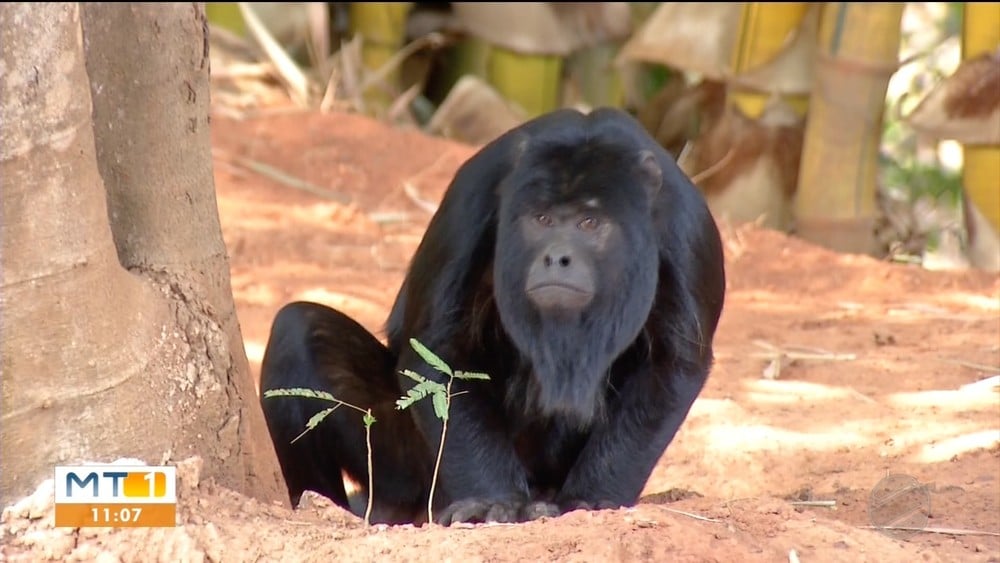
471, 375
314, 421
429, 357
419, 391
440, 401
404, 403
413, 375
412, 396
301, 392
368, 419
428, 387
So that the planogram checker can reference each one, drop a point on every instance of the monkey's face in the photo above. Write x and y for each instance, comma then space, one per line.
575, 261
574, 226
567, 246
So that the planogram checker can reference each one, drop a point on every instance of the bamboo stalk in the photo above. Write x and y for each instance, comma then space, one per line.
981, 166
227, 16
592, 72
382, 26
765, 29
530, 81
858, 50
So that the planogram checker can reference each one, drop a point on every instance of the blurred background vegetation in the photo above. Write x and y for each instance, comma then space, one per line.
864, 127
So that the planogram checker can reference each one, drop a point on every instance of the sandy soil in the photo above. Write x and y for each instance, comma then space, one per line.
833, 372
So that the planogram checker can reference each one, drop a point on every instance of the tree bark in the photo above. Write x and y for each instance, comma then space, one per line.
99, 360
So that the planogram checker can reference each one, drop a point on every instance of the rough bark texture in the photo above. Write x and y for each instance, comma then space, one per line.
151, 115
100, 362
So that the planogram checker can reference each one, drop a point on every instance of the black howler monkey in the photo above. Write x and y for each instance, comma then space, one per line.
572, 261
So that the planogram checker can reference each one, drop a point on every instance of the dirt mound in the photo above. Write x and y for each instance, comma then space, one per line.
217, 524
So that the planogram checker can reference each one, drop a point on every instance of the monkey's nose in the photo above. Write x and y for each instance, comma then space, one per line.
557, 255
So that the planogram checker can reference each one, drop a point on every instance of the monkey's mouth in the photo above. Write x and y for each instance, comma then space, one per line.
556, 295
557, 286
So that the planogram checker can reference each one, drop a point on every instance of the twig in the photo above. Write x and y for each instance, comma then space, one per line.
432, 39
440, 453
243, 70
711, 170
829, 503
801, 352
318, 15
401, 104
330, 94
411, 192
861, 396
371, 468
773, 368
828, 356
286, 68
388, 217
945, 531
350, 64
897, 110
973, 365
410, 189
282, 177
692, 515
777, 356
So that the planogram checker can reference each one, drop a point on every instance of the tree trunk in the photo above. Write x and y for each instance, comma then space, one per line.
119, 334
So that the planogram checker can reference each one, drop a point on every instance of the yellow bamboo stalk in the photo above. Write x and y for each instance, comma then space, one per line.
765, 28
531, 81
857, 53
981, 166
981, 178
226, 15
382, 26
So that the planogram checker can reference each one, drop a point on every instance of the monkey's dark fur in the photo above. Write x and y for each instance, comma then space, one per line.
571, 260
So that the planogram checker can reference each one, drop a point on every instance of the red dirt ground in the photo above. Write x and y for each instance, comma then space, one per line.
879, 377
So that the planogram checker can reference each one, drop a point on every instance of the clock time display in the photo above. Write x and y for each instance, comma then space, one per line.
117, 515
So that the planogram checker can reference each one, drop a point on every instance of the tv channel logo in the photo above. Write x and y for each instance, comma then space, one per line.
116, 495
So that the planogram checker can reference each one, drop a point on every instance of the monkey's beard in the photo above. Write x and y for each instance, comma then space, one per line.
569, 371
570, 354
570, 359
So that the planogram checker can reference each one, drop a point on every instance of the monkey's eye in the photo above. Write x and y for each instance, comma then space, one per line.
588, 224
544, 220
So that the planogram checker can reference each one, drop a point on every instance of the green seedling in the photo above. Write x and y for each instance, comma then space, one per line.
440, 395
367, 419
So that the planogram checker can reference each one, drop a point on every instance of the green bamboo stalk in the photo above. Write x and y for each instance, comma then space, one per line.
382, 26
530, 81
